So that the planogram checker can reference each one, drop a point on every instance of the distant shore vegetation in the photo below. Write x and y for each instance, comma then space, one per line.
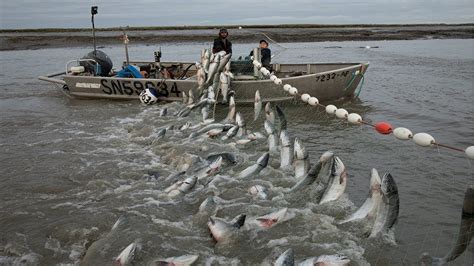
278, 26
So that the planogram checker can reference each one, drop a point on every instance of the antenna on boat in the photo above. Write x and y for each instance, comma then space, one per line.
157, 55
93, 12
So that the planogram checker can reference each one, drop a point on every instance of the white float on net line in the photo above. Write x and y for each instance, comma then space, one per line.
470, 152
313, 101
293, 91
331, 109
341, 113
286, 87
423, 139
402, 133
277, 81
354, 118
273, 77
305, 97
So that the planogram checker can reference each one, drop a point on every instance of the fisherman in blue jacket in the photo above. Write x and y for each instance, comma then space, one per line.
221, 43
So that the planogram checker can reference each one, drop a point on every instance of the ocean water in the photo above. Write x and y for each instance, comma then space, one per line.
70, 168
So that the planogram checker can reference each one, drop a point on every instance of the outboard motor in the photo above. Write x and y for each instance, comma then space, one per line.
103, 66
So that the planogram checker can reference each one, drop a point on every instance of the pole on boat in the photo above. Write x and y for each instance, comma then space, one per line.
93, 12
258, 57
125, 42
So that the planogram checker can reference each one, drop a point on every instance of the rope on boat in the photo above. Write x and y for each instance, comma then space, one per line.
401, 133
359, 86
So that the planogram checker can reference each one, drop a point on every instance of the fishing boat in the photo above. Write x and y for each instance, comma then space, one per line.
326, 81
93, 77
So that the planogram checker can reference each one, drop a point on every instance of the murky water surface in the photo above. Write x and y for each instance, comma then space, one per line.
71, 168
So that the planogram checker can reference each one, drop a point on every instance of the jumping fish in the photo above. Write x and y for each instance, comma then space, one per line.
127, 255
243, 141
224, 86
286, 154
259, 190
181, 187
208, 127
231, 133
466, 230
184, 97
271, 219
301, 160
207, 60
184, 112
221, 230
185, 260
211, 95
272, 138
269, 114
327, 170
159, 135
203, 56
121, 221
205, 112
314, 171
225, 58
191, 97
208, 206
249, 138
371, 204
212, 169
252, 170
257, 105
227, 67
287, 258
255, 135
200, 75
337, 182
201, 103
214, 132
228, 156
239, 119
336, 260
231, 112
213, 67
387, 213
185, 126
163, 112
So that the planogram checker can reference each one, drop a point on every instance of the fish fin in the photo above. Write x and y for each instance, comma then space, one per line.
282, 117
239, 220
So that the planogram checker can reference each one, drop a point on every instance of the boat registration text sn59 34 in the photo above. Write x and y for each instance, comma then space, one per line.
130, 87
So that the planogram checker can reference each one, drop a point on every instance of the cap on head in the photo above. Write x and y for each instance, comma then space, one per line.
263, 41
223, 30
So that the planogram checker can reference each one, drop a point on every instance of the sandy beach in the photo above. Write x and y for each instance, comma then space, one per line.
58, 38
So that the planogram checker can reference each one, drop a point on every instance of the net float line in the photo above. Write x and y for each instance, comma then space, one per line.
384, 128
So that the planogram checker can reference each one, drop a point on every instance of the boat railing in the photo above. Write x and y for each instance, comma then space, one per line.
51, 78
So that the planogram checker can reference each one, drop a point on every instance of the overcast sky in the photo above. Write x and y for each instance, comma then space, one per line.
18, 14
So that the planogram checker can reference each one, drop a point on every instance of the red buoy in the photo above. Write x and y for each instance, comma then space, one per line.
383, 128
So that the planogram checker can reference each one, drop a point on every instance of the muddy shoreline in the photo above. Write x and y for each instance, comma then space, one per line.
37, 39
